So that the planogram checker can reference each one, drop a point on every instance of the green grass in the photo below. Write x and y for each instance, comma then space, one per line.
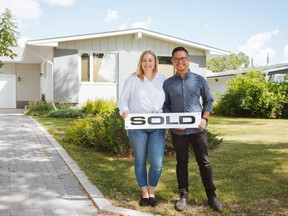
250, 170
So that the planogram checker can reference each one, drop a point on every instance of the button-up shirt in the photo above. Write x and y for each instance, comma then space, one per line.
187, 94
142, 96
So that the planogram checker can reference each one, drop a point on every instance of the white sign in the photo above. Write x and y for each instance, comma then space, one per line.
163, 120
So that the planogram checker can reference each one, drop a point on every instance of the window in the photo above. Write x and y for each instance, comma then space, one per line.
98, 67
165, 66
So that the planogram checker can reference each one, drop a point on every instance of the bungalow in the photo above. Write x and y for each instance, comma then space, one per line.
75, 69
217, 81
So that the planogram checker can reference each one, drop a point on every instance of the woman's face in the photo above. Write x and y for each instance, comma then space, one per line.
148, 63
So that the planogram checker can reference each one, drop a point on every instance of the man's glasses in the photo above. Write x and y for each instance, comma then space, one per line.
182, 59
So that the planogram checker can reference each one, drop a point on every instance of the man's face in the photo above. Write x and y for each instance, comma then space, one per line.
180, 61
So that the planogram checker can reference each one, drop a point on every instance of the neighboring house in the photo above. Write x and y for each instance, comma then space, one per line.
217, 81
78, 68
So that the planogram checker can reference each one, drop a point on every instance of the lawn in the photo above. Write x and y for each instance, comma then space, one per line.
250, 170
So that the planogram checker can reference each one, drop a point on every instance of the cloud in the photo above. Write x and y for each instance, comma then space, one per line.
27, 10
64, 3
142, 24
111, 15
256, 47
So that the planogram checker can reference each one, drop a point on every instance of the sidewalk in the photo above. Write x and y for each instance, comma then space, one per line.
38, 177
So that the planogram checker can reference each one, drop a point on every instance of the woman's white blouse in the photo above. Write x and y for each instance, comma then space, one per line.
142, 97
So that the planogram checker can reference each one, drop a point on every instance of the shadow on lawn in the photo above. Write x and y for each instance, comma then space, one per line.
252, 177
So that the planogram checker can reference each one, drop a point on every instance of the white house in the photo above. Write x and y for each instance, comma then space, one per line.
78, 68
217, 81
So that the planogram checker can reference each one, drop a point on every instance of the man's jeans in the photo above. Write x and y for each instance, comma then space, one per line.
199, 142
147, 143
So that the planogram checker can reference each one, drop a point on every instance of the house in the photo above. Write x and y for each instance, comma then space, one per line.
78, 68
217, 81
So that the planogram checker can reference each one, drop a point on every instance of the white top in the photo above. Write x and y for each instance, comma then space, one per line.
142, 97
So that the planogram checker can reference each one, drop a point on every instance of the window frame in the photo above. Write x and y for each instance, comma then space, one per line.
91, 67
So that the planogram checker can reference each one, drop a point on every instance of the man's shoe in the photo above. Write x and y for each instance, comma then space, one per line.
215, 204
182, 203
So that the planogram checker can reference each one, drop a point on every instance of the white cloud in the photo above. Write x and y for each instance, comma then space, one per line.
256, 47
64, 3
111, 15
27, 10
285, 53
142, 24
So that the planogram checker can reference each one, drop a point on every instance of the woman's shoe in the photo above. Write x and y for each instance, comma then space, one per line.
144, 202
152, 201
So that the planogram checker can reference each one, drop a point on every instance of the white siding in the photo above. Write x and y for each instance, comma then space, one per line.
97, 91
126, 43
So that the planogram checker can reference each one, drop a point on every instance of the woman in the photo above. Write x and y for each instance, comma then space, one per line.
143, 93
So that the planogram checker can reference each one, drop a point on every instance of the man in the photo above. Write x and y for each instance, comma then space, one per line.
188, 92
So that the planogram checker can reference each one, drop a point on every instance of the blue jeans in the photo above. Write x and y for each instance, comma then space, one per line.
147, 143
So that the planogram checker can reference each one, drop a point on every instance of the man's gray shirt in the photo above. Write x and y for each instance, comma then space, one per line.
188, 94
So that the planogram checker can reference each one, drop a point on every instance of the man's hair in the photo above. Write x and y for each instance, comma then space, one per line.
179, 49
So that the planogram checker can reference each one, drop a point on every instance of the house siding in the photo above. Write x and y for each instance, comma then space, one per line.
126, 43
66, 81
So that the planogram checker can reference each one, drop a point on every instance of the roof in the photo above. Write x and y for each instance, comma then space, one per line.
137, 31
33, 47
265, 69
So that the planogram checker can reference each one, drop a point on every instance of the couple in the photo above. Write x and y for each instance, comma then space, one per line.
146, 91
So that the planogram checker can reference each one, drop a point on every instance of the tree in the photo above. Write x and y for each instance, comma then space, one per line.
8, 35
231, 62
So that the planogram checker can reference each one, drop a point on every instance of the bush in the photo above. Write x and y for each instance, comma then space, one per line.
39, 108
99, 107
66, 113
82, 132
251, 95
106, 134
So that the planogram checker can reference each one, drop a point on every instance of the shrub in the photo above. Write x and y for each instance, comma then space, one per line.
99, 107
106, 134
81, 132
116, 139
39, 108
213, 140
247, 96
66, 113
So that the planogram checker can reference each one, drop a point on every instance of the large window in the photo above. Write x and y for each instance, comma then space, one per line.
98, 67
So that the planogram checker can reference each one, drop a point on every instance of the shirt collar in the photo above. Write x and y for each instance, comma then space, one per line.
188, 74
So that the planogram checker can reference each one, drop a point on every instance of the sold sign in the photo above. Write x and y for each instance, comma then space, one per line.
163, 120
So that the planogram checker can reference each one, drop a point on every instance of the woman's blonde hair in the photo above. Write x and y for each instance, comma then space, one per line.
139, 72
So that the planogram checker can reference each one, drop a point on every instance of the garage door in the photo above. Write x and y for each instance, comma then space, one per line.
7, 91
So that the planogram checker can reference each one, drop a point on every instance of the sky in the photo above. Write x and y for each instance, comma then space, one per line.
256, 27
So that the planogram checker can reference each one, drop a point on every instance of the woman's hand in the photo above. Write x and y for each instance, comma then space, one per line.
125, 114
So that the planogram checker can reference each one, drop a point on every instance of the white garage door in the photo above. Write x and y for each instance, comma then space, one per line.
7, 91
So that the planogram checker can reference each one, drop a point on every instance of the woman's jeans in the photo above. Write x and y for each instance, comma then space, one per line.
199, 142
147, 143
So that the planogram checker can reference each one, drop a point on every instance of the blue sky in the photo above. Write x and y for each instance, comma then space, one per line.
255, 27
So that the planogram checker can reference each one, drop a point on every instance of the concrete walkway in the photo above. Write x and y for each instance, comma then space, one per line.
38, 177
